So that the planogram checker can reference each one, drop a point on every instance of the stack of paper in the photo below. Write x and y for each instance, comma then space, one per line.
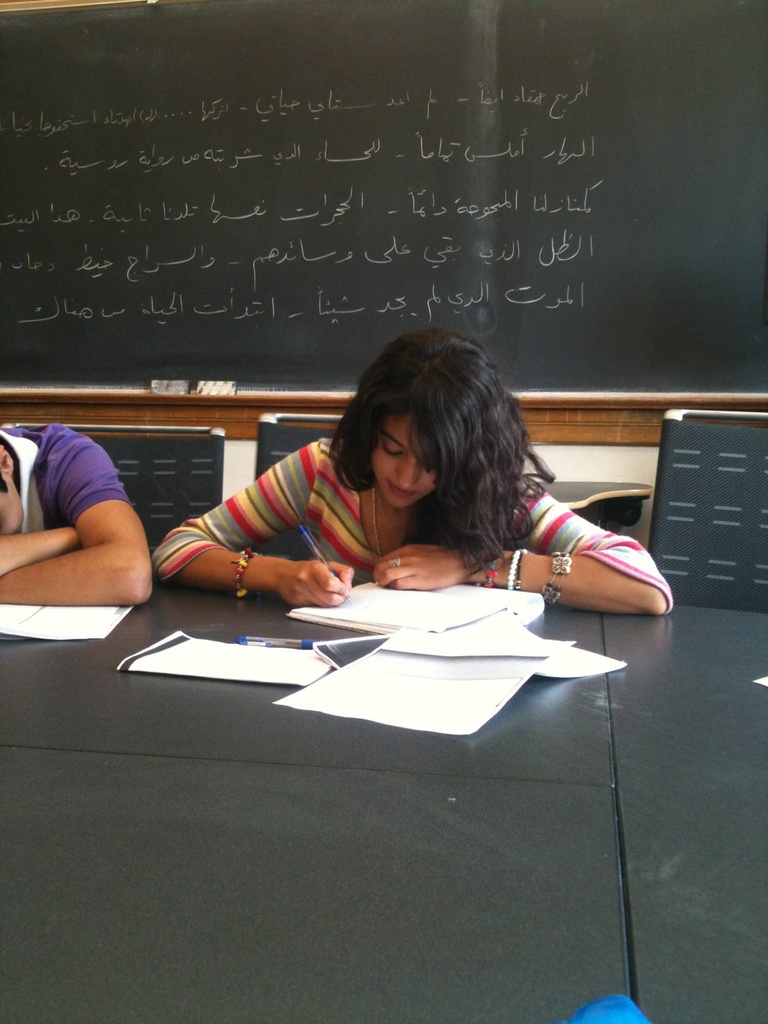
452, 682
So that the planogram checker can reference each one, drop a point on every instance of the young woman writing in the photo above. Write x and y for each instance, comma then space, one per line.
430, 481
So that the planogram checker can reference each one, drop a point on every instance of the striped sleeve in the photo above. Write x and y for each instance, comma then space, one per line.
557, 528
274, 503
301, 489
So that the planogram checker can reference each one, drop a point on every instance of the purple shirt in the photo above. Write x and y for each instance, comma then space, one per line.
71, 471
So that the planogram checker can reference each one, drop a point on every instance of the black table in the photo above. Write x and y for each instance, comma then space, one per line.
184, 850
71, 698
691, 740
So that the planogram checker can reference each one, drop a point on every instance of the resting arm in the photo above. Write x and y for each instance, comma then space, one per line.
610, 573
103, 560
593, 586
590, 585
20, 549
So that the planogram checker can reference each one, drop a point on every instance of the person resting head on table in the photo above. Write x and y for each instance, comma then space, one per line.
430, 481
68, 534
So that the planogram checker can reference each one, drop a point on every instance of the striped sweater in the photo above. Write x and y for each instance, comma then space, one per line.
305, 489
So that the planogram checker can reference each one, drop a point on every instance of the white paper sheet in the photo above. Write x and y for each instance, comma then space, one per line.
496, 635
182, 655
385, 689
570, 662
503, 635
49, 622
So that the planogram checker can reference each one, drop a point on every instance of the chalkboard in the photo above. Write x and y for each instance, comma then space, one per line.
268, 191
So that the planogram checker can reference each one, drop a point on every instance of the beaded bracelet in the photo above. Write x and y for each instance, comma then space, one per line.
242, 565
513, 579
561, 566
490, 575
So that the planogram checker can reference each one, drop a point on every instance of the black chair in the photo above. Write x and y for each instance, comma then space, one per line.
279, 435
169, 473
709, 524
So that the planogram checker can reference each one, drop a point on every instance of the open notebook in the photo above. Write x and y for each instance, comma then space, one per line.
374, 609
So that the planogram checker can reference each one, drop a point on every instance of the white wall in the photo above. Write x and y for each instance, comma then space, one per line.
239, 465
623, 464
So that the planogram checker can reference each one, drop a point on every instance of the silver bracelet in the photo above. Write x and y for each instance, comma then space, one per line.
561, 566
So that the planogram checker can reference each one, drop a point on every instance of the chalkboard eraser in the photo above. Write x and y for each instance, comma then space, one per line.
169, 387
216, 387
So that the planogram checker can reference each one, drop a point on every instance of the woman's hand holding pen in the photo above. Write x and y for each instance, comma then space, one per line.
420, 567
313, 583
298, 583
341, 574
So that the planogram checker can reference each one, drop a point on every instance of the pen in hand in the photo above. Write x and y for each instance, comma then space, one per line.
311, 543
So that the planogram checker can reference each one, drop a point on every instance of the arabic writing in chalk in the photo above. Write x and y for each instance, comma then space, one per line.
326, 209
341, 304
155, 158
438, 251
341, 206
281, 103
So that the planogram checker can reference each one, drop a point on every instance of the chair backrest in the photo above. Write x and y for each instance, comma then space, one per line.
279, 435
709, 524
169, 473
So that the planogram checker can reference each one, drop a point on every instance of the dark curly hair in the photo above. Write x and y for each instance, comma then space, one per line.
466, 427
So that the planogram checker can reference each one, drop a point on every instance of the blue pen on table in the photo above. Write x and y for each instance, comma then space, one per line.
312, 544
274, 641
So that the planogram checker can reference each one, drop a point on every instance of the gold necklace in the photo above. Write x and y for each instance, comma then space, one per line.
375, 525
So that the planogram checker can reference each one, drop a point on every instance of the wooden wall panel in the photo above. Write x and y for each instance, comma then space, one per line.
613, 419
